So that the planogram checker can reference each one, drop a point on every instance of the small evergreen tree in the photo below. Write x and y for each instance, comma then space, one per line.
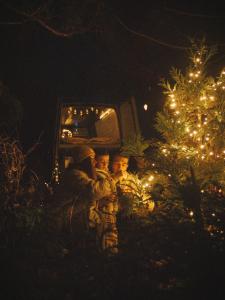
192, 125
192, 122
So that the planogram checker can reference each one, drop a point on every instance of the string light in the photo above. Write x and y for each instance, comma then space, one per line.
151, 178
145, 106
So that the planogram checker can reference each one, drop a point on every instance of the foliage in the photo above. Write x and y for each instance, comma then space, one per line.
192, 122
190, 155
135, 145
12, 165
134, 198
21, 213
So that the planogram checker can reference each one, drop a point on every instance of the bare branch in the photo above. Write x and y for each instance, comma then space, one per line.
159, 42
35, 17
189, 14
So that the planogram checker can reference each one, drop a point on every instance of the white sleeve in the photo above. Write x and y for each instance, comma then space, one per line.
98, 188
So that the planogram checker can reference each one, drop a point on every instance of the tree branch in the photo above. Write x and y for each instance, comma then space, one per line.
159, 42
188, 14
35, 18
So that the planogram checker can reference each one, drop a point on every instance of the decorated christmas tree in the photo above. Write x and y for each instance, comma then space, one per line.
191, 152
192, 123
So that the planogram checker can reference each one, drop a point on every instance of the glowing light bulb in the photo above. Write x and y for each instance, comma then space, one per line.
150, 178
145, 106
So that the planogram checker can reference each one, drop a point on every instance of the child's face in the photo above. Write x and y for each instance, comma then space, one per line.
102, 162
119, 164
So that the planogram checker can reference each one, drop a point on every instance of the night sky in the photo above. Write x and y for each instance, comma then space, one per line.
113, 62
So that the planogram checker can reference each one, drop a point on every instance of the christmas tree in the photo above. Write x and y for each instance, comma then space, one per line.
191, 152
192, 123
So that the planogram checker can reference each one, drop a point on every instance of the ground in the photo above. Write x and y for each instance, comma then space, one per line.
165, 261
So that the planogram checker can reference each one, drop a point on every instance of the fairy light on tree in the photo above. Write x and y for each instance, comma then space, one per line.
192, 122
192, 144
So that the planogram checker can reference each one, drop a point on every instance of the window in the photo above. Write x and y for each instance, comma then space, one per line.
89, 125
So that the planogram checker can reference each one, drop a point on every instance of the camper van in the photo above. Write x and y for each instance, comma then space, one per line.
93, 123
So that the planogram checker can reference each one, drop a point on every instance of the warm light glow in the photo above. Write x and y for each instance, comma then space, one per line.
105, 113
150, 178
145, 106
173, 105
68, 132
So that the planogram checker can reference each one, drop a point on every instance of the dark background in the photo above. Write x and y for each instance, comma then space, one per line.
111, 63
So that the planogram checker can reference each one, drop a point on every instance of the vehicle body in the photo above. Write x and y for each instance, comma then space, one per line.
91, 122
